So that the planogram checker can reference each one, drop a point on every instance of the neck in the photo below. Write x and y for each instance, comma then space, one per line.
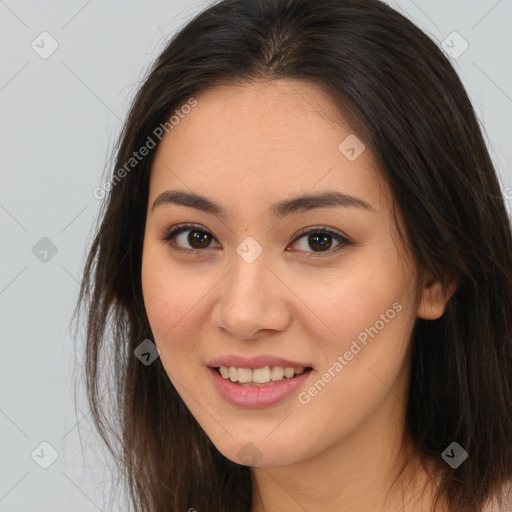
373, 469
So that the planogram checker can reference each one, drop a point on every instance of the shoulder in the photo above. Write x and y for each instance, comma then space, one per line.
493, 506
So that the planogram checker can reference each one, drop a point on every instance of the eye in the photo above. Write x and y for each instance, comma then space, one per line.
197, 238
320, 239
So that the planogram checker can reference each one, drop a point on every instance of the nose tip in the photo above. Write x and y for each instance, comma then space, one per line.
247, 323
251, 303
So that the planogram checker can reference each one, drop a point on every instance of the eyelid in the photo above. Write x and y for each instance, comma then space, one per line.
172, 232
314, 229
176, 230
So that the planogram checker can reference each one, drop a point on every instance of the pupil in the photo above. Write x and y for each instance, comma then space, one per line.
199, 237
319, 238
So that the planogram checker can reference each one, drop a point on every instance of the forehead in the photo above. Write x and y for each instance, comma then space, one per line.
257, 143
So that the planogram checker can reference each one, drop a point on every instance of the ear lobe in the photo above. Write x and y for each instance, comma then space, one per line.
434, 297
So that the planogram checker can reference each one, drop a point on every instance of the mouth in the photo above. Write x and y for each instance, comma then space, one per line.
260, 377
240, 386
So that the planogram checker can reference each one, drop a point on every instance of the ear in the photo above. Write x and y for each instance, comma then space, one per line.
434, 297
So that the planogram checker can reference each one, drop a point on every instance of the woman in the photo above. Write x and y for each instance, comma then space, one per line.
306, 260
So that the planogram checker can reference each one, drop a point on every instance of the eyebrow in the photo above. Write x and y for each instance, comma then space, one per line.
282, 208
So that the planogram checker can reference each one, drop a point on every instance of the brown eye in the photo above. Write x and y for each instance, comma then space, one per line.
199, 239
188, 238
320, 240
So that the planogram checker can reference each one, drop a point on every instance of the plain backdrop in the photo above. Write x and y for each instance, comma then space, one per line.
60, 115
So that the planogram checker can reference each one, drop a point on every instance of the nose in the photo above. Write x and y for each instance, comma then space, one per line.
253, 301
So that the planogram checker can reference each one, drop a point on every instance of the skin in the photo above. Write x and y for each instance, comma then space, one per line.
246, 147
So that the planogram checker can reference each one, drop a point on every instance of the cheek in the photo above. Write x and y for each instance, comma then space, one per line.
367, 318
169, 300
171, 297
352, 300
169, 293
364, 356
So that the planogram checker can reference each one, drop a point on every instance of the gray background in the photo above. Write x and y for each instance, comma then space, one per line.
60, 116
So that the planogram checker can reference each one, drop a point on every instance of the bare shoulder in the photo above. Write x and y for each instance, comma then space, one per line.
506, 505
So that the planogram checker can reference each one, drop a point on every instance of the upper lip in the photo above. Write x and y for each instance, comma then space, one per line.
255, 362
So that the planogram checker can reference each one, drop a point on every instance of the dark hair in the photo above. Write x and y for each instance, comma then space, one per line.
403, 98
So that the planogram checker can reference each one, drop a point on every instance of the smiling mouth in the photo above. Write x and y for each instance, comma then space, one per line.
266, 376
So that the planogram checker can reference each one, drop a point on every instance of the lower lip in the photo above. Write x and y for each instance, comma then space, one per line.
256, 396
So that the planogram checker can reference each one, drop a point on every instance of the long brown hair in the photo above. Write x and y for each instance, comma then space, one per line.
403, 98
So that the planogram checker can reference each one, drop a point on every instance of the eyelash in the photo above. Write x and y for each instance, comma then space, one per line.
180, 228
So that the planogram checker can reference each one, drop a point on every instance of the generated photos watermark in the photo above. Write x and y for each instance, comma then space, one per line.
305, 397
143, 151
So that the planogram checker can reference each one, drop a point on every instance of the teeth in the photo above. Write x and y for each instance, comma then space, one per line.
259, 375
244, 374
289, 372
233, 374
277, 373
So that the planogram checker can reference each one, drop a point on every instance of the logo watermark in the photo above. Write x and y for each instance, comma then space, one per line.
143, 151
304, 397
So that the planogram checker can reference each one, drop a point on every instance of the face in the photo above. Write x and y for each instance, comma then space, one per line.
319, 285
